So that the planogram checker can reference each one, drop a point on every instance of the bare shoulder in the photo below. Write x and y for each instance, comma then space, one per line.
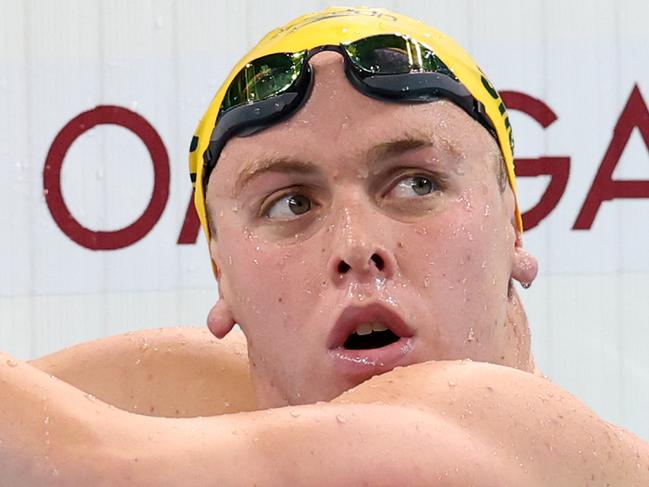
540, 427
178, 372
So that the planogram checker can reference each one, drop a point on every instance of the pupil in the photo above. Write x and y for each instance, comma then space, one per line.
299, 204
421, 185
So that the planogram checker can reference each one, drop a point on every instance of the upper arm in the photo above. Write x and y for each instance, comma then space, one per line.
465, 423
318, 445
535, 424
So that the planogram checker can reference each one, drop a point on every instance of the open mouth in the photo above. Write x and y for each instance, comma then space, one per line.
368, 340
369, 336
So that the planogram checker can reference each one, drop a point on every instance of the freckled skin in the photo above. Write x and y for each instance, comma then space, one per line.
450, 281
447, 266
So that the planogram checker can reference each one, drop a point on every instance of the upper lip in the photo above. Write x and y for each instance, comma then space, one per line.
353, 316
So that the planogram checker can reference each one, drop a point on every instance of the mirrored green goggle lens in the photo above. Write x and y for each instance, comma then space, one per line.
380, 54
263, 78
394, 54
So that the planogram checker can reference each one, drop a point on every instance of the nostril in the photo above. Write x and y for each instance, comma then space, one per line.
378, 261
343, 267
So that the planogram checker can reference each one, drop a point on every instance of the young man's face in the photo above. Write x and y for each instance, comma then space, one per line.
355, 215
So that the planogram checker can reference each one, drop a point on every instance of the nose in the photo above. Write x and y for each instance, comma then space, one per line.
360, 249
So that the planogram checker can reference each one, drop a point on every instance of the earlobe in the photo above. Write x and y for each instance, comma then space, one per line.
220, 320
524, 266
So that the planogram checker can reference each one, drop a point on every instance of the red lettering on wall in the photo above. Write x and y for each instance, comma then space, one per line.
604, 188
95, 239
191, 224
558, 167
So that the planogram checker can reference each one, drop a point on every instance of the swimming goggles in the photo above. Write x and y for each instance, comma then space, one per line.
390, 67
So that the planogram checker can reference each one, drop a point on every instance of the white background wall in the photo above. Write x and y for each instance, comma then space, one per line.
589, 308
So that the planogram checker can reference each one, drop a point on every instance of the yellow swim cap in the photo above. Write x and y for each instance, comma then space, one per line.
338, 25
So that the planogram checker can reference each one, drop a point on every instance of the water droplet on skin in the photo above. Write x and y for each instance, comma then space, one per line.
11, 363
46, 420
340, 418
471, 335
295, 414
363, 172
421, 231
465, 200
451, 383
90, 397
426, 281
487, 210
144, 345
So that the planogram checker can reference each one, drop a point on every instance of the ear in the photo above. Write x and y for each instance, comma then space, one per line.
220, 319
524, 265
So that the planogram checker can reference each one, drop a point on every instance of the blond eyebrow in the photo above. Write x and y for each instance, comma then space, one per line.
408, 142
283, 164
383, 150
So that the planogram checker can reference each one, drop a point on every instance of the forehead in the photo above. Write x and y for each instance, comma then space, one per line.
338, 122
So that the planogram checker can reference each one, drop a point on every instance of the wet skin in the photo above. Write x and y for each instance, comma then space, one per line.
438, 263
354, 202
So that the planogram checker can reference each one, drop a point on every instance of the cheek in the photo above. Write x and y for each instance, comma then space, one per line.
271, 282
467, 238
459, 261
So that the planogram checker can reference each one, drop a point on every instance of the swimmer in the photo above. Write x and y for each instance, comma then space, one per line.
354, 176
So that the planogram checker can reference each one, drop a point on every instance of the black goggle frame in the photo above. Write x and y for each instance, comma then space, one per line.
414, 86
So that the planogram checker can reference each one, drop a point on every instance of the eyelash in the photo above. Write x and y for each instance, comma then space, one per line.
268, 204
437, 180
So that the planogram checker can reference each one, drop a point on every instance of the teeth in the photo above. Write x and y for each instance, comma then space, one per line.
367, 328
364, 329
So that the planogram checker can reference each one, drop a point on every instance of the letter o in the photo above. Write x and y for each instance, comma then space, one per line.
116, 239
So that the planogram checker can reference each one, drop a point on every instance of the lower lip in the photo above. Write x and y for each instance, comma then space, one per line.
371, 362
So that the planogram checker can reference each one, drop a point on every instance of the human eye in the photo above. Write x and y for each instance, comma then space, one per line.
287, 207
414, 186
